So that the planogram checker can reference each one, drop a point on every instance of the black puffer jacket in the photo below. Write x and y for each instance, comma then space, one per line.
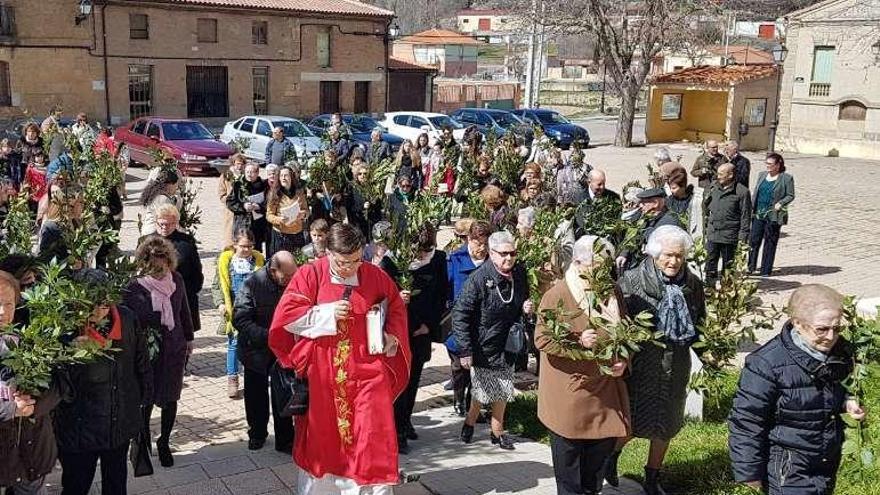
254, 306
788, 403
27, 445
102, 410
481, 321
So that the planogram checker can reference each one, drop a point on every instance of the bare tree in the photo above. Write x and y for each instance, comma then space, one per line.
629, 34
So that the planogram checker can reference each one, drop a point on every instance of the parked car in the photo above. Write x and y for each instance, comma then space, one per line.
489, 120
556, 126
190, 142
361, 127
409, 125
257, 129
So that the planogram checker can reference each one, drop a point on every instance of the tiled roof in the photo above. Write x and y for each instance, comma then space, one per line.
402, 65
342, 7
440, 37
717, 76
489, 12
742, 54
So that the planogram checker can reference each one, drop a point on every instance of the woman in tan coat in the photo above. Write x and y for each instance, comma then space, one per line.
585, 410
286, 212
224, 187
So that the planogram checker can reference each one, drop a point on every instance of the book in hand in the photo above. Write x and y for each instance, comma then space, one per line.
376, 328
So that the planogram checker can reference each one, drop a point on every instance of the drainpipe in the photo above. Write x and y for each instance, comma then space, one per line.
386, 40
104, 56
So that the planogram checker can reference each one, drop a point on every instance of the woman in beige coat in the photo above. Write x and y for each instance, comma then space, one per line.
585, 410
224, 187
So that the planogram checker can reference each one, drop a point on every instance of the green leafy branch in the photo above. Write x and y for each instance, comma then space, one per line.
863, 334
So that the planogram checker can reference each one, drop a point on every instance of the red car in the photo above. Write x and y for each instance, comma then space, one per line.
190, 142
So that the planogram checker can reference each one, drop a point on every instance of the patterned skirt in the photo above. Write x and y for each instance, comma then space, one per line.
492, 384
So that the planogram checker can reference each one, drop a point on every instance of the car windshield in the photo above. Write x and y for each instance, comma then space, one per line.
506, 120
185, 131
442, 121
293, 128
551, 118
361, 123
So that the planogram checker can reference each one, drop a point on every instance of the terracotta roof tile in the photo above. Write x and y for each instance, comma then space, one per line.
343, 7
489, 12
440, 37
742, 54
402, 65
717, 76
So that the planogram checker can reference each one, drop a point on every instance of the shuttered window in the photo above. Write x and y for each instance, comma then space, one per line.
323, 47
823, 62
206, 30
138, 26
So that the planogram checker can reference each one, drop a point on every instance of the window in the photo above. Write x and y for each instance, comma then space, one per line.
138, 26
5, 90
207, 91
852, 110
260, 33
261, 90
417, 122
140, 90
247, 126
153, 131
323, 47
823, 63
401, 119
755, 111
206, 30
671, 107
264, 129
7, 21
361, 96
139, 127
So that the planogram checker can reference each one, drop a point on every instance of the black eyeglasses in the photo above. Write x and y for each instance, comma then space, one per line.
505, 254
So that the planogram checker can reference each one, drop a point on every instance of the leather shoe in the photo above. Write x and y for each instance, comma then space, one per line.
609, 469
503, 441
467, 433
164, 452
256, 443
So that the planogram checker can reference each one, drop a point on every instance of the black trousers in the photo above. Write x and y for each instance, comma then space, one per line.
461, 385
767, 233
78, 471
576, 463
714, 252
256, 410
403, 406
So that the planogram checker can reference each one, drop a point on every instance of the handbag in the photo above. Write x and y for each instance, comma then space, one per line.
290, 394
140, 454
517, 344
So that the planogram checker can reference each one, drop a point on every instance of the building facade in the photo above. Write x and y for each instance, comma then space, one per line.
205, 59
451, 53
484, 21
830, 103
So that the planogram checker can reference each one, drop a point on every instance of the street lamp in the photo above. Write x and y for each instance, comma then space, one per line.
394, 31
780, 52
85, 10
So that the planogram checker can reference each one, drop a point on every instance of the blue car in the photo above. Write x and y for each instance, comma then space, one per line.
494, 120
361, 127
556, 126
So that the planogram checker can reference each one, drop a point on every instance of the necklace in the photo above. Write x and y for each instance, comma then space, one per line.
498, 290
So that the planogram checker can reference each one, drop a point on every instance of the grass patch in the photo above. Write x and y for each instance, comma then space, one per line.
698, 461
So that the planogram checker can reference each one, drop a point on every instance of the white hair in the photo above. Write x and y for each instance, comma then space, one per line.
592, 174
668, 234
526, 217
499, 239
662, 155
584, 249
377, 130
271, 168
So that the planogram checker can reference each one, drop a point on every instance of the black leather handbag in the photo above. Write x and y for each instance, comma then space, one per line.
140, 454
290, 394
517, 344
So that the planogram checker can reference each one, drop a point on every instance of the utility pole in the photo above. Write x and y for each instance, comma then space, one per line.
539, 65
530, 61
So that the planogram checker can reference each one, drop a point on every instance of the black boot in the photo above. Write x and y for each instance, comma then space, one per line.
467, 433
609, 469
169, 415
652, 482
402, 445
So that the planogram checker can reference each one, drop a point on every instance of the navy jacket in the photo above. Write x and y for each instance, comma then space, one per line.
787, 400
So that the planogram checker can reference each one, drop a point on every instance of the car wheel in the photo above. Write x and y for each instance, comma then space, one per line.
124, 156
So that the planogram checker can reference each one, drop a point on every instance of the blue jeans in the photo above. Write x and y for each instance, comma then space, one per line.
231, 355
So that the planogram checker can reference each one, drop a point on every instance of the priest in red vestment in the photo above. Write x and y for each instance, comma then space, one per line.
346, 443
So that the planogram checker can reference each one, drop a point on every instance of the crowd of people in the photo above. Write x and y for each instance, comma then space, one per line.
331, 273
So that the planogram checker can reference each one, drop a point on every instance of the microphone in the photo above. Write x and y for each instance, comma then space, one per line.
346, 295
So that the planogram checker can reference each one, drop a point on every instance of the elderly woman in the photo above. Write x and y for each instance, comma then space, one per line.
586, 411
224, 188
786, 433
271, 177
320, 330
286, 211
770, 200
189, 263
159, 191
662, 285
247, 202
26, 431
158, 298
494, 298
495, 202
361, 211
104, 412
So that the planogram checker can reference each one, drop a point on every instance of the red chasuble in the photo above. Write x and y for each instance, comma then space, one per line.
349, 429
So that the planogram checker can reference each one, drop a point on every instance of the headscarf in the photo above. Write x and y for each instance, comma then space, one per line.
673, 317
160, 296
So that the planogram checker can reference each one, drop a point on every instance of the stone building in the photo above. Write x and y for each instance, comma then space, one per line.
451, 53
206, 59
830, 96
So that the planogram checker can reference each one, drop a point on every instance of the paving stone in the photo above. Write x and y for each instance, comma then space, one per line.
176, 476
253, 482
226, 467
207, 487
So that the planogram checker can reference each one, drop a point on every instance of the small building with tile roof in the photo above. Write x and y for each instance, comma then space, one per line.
696, 104
452, 54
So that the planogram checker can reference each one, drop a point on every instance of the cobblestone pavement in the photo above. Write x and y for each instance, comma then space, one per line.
831, 239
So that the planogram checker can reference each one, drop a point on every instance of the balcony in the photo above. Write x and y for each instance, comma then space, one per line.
820, 89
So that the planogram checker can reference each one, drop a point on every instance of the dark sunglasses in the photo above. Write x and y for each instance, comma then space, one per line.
505, 254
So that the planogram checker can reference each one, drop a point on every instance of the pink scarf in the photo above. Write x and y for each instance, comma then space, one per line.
160, 295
